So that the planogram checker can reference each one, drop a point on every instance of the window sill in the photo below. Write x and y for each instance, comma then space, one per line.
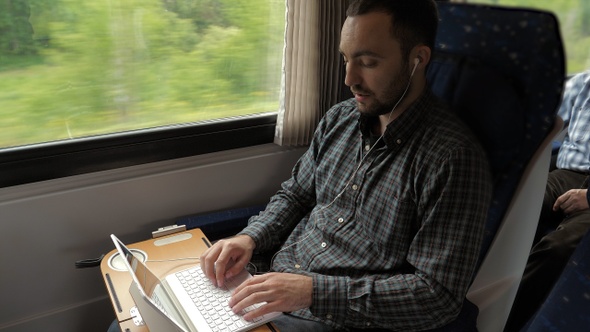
49, 161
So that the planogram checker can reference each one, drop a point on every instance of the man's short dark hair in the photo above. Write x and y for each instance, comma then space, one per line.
414, 22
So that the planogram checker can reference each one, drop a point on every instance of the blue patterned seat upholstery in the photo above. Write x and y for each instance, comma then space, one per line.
503, 71
567, 307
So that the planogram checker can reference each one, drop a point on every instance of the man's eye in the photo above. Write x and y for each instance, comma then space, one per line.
369, 64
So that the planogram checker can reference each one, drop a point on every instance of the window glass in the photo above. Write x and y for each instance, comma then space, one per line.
71, 68
574, 20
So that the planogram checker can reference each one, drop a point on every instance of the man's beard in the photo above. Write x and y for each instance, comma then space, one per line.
395, 93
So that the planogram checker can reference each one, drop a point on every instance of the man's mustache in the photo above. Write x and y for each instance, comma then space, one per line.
359, 90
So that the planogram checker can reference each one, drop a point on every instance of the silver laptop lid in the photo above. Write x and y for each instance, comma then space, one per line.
146, 280
142, 290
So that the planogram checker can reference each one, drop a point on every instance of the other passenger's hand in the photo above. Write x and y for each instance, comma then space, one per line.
573, 200
227, 258
282, 292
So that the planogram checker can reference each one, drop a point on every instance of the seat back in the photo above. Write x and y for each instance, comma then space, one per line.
502, 70
496, 282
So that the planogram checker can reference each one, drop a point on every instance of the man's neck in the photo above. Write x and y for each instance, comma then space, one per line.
385, 119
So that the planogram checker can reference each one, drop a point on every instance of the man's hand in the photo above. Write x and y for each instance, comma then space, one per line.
573, 200
282, 292
227, 258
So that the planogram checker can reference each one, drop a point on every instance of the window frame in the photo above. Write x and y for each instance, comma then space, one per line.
53, 160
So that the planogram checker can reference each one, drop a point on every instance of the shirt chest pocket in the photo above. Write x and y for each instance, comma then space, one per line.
580, 132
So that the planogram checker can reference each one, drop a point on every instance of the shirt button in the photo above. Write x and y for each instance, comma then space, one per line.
399, 141
324, 244
367, 147
355, 187
340, 220
297, 266
329, 316
368, 324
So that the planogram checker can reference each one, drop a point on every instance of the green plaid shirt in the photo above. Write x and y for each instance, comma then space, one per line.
397, 249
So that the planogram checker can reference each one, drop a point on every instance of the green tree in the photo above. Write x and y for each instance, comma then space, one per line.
254, 46
203, 13
107, 62
16, 32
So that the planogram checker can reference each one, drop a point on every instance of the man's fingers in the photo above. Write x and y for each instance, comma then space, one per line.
563, 202
223, 262
227, 258
260, 311
248, 295
236, 267
275, 291
559, 202
208, 259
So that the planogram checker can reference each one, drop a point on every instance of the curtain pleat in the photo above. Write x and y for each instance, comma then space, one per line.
312, 68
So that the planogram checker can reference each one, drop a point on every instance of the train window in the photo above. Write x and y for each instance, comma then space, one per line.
72, 69
574, 20
94, 85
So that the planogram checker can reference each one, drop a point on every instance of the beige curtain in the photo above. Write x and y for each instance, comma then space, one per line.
312, 67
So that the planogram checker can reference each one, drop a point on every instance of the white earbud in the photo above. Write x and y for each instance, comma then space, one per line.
416, 62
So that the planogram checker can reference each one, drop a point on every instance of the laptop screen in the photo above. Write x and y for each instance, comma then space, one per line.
146, 280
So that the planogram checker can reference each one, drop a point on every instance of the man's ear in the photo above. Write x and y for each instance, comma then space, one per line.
423, 54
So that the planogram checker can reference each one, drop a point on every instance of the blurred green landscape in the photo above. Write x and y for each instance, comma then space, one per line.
71, 68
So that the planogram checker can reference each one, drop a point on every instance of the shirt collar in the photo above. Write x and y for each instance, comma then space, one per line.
409, 122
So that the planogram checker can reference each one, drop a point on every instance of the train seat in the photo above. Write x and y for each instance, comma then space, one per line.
502, 70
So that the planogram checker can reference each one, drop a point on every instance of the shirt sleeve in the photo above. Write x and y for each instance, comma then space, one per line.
286, 208
442, 257
290, 204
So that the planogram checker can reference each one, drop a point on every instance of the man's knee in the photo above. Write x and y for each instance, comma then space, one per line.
560, 244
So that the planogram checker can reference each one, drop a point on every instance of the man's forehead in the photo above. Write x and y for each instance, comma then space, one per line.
369, 24
366, 34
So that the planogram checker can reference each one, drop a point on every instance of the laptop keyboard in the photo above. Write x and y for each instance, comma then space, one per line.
159, 303
212, 301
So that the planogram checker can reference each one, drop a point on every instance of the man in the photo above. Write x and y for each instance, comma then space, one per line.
565, 205
380, 224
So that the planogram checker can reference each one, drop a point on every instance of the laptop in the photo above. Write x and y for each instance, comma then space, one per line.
186, 300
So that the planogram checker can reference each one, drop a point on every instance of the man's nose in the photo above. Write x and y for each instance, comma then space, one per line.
352, 76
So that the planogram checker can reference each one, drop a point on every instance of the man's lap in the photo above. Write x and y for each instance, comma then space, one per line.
286, 323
